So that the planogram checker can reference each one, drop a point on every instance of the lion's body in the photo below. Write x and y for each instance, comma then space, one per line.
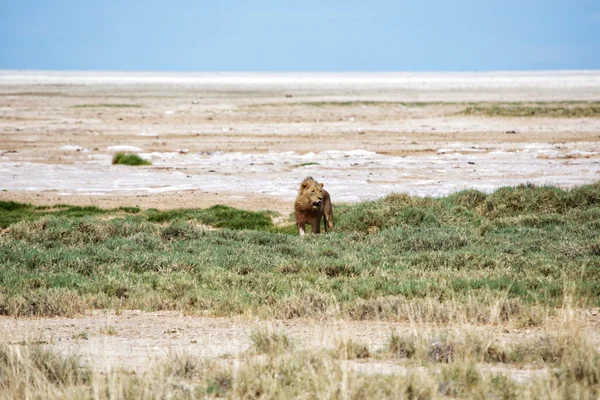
313, 204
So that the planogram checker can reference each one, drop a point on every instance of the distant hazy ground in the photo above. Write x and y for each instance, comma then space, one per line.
580, 85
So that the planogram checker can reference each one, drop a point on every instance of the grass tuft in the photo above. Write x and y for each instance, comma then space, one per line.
351, 350
403, 346
266, 341
306, 164
29, 369
109, 330
216, 216
129, 159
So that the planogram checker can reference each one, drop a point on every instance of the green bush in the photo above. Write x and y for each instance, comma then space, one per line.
129, 159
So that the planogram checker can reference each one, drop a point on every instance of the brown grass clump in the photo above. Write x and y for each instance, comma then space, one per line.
310, 304
30, 371
348, 349
266, 341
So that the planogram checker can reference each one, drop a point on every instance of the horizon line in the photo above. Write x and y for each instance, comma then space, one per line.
142, 71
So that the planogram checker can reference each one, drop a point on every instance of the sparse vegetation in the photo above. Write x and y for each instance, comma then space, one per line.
108, 105
81, 335
564, 109
459, 367
348, 104
541, 110
129, 159
306, 164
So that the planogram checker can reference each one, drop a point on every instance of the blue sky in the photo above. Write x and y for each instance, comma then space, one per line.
308, 35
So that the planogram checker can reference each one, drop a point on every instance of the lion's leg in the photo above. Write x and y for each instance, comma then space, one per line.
328, 211
325, 223
301, 229
329, 221
316, 226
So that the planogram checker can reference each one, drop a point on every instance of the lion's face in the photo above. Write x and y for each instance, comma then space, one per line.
314, 193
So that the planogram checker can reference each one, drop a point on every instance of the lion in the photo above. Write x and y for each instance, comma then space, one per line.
312, 204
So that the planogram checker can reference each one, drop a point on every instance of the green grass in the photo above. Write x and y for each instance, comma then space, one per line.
129, 159
511, 255
306, 164
217, 216
12, 212
108, 105
81, 335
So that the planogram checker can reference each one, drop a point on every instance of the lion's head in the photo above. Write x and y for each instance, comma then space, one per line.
312, 192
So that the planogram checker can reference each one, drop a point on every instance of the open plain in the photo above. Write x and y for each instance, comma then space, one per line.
247, 139
464, 264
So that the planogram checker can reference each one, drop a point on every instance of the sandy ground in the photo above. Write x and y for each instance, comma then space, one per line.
246, 140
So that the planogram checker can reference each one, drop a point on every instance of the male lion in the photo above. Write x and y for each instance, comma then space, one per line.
312, 204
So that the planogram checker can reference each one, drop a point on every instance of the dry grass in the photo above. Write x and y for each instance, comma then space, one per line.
348, 349
266, 341
32, 372
109, 330
428, 365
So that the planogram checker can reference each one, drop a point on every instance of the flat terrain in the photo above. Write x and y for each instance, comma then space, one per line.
247, 140
465, 260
